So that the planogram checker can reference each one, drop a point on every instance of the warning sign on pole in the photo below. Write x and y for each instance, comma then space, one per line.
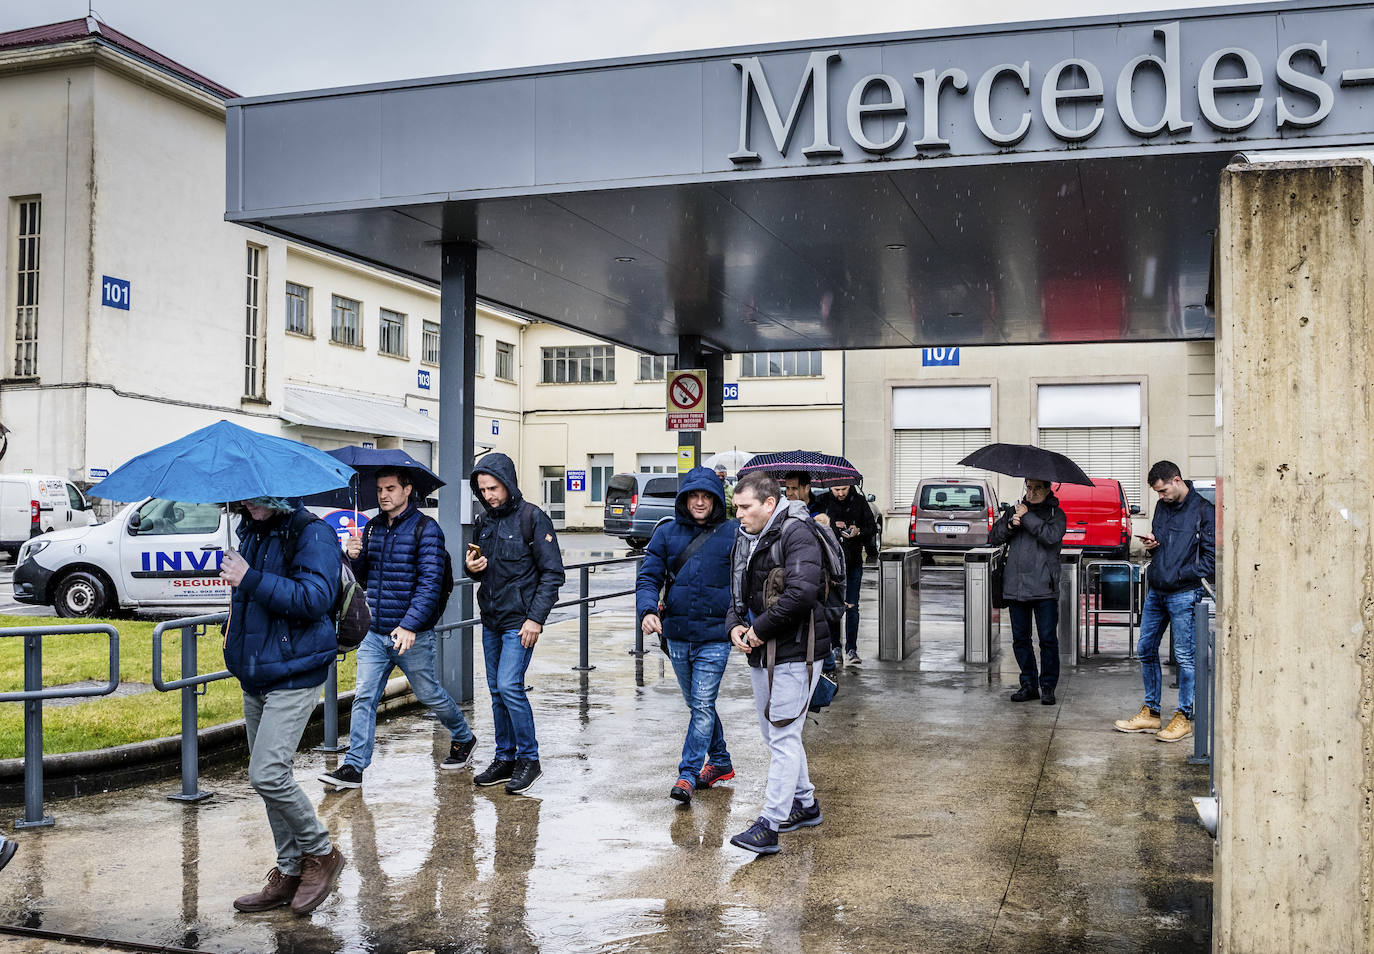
687, 400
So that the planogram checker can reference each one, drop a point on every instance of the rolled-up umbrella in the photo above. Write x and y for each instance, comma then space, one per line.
1027, 460
223, 463
826, 470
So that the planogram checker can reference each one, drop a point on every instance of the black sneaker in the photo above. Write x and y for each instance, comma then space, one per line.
345, 776
527, 772
1047, 697
497, 772
459, 753
1024, 694
758, 838
801, 817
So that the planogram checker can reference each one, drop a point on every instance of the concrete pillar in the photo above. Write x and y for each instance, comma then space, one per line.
1295, 769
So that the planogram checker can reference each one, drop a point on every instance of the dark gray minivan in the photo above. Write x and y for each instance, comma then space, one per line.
635, 503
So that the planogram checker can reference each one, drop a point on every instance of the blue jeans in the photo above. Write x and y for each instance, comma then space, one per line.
376, 660
854, 578
511, 715
699, 667
1046, 613
1174, 610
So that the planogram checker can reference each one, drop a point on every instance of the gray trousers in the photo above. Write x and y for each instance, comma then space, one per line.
276, 721
788, 778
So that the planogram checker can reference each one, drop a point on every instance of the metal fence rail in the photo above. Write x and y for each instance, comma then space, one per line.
191, 684
33, 696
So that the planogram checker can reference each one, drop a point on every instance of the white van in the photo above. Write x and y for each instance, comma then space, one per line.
154, 554
31, 504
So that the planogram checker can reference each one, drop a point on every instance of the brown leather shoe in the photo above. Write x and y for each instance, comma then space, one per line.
317, 880
278, 890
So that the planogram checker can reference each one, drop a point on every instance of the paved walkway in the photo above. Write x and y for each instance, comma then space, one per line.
954, 821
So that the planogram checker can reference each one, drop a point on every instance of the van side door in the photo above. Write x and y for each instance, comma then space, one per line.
170, 552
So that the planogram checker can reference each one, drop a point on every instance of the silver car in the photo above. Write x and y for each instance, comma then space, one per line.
952, 514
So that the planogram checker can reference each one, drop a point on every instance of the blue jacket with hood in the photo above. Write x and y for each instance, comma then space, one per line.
522, 578
279, 634
696, 604
404, 581
1187, 535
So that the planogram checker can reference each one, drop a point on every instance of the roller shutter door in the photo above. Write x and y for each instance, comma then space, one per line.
932, 452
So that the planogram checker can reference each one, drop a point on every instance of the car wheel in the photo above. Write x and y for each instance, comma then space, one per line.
79, 594
636, 543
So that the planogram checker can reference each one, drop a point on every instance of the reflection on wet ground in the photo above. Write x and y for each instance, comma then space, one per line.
954, 821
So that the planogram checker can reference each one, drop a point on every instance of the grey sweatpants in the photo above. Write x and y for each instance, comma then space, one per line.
275, 722
787, 774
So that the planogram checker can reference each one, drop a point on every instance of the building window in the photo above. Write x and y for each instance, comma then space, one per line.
298, 309
345, 322
656, 463
579, 365
1098, 426
780, 364
254, 342
600, 467
26, 313
429, 342
655, 367
505, 361
477, 365
933, 428
391, 333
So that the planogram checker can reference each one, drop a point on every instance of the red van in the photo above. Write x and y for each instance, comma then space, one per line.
1099, 517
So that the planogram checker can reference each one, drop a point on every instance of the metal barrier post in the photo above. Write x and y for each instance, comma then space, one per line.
1202, 683
190, 722
33, 736
583, 621
331, 711
639, 652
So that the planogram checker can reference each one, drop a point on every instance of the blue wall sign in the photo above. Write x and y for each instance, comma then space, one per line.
99, 473
577, 481
939, 357
114, 292
732, 391
422, 379
495, 427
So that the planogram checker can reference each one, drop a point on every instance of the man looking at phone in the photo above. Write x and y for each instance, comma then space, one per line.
851, 518
1182, 548
399, 557
515, 558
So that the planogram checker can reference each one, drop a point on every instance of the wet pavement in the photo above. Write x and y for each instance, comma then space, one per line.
954, 821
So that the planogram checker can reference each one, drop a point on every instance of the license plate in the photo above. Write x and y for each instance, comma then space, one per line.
617, 510
951, 528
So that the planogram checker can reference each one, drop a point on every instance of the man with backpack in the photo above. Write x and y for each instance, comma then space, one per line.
514, 557
681, 594
786, 595
402, 561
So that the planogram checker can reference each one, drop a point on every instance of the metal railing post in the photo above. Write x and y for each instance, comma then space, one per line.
190, 719
331, 711
33, 736
583, 621
1202, 683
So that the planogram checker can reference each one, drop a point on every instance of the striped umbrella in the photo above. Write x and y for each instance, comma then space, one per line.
826, 470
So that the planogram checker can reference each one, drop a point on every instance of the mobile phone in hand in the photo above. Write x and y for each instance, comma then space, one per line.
474, 551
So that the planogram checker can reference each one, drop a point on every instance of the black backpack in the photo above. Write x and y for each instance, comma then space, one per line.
446, 580
349, 614
832, 562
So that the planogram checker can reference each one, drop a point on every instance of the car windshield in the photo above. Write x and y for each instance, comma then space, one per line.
952, 497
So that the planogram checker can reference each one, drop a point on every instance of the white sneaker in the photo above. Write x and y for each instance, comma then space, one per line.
852, 658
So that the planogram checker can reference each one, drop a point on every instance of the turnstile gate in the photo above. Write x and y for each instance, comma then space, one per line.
899, 604
982, 620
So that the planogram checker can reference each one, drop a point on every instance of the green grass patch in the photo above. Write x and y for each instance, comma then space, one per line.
106, 721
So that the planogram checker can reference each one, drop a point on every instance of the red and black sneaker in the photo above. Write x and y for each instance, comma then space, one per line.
681, 791
711, 774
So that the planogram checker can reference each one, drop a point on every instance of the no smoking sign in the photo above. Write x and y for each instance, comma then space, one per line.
687, 400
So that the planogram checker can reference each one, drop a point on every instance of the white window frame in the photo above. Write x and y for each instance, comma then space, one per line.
429, 342
478, 368
298, 299
578, 364
655, 367
781, 364
599, 466
339, 328
28, 247
505, 354
254, 334
391, 333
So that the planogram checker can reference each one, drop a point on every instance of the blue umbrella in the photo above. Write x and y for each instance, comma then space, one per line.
223, 463
367, 461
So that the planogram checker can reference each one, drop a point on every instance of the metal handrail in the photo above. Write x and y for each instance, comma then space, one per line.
198, 624
33, 696
192, 627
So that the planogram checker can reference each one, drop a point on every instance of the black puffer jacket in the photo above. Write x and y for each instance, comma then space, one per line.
788, 620
522, 578
1032, 571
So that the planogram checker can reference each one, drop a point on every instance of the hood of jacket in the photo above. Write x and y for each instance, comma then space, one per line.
700, 478
503, 469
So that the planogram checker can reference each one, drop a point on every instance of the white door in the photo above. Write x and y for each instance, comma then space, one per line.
171, 553
81, 514
553, 498
15, 514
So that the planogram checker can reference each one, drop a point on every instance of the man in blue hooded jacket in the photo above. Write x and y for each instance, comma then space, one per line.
279, 642
517, 562
688, 561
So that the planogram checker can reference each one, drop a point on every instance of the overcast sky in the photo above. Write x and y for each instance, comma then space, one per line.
268, 46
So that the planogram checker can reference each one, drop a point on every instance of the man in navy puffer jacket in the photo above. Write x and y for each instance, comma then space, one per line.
279, 642
691, 619
400, 558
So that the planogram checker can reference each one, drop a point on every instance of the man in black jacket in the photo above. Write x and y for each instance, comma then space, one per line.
852, 520
775, 618
1182, 544
516, 560
1034, 534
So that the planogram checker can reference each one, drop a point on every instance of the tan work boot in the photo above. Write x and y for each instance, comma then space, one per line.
1179, 728
317, 880
278, 890
1142, 721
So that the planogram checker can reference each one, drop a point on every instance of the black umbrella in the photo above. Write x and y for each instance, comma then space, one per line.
1027, 460
362, 495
